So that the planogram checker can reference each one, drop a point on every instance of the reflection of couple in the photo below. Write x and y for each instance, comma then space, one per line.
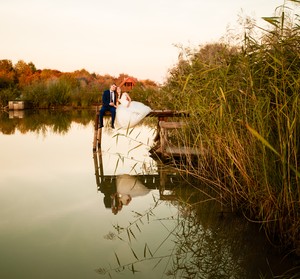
127, 113
128, 187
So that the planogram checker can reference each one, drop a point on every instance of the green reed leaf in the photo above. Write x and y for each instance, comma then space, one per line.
137, 146
128, 234
295, 171
262, 139
132, 233
138, 227
157, 264
117, 259
134, 254
272, 20
186, 82
149, 251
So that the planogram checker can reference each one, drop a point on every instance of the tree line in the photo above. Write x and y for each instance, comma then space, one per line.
48, 88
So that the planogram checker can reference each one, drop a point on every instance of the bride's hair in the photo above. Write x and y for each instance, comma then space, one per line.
119, 97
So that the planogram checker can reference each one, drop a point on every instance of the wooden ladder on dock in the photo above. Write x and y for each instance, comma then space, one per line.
166, 149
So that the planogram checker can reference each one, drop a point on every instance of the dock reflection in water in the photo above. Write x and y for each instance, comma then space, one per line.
118, 190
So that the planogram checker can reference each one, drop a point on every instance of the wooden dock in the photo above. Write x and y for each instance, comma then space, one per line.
163, 148
162, 115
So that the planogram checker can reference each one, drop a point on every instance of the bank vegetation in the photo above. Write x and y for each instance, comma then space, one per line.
244, 106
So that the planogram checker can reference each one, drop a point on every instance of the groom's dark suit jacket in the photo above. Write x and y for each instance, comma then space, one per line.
106, 98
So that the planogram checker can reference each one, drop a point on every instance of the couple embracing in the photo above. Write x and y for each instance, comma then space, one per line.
125, 112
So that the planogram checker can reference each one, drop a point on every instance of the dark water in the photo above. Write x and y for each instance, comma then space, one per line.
61, 215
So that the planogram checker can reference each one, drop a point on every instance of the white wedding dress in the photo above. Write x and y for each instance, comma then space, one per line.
129, 116
129, 187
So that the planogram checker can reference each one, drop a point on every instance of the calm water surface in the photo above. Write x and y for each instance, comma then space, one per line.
57, 215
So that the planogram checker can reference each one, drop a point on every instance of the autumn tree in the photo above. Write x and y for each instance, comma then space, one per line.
7, 74
24, 72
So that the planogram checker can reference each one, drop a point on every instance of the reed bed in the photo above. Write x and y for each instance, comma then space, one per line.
244, 112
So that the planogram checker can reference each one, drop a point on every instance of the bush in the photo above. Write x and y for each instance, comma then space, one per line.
8, 94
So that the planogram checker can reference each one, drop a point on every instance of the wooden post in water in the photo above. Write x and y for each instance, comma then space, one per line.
97, 132
98, 164
99, 137
96, 125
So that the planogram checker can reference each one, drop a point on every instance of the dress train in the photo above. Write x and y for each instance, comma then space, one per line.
127, 117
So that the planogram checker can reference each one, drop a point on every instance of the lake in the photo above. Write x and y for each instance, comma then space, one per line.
69, 212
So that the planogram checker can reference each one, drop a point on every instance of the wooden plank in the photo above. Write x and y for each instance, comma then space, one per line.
180, 151
167, 113
171, 125
96, 129
99, 137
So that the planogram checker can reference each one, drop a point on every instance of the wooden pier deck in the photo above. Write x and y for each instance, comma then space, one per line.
162, 115
163, 148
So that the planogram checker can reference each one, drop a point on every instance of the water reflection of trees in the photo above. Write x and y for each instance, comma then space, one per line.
205, 241
207, 244
39, 121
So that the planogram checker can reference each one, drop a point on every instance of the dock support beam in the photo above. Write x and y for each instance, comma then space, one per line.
97, 132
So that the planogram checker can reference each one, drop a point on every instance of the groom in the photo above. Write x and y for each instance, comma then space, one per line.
108, 104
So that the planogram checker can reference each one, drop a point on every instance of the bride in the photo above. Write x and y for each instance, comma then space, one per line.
129, 113
128, 187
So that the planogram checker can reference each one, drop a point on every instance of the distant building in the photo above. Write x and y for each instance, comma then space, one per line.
127, 84
19, 105
16, 105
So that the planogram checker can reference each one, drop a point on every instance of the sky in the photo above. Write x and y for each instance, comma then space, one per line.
135, 37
